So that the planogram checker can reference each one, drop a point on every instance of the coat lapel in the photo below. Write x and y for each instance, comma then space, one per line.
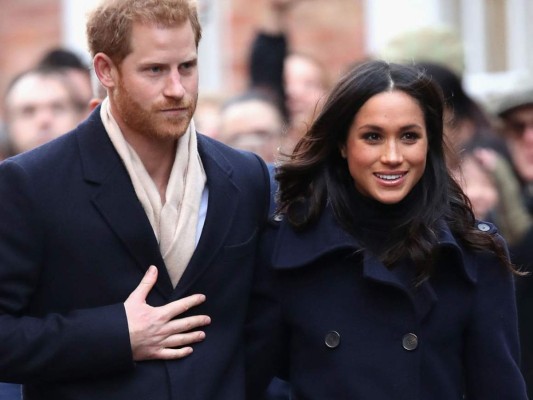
296, 250
223, 203
115, 199
422, 297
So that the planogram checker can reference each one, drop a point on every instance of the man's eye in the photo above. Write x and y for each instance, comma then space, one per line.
27, 111
188, 66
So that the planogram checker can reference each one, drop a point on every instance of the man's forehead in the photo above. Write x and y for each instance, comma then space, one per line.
524, 111
37, 89
32, 82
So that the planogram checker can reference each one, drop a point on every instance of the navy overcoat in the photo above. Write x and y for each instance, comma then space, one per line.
343, 326
75, 242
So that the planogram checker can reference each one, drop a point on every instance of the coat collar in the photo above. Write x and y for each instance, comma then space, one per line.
222, 211
298, 249
115, 199
294, 250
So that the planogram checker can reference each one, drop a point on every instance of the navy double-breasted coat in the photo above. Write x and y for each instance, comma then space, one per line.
75, 242
343, 326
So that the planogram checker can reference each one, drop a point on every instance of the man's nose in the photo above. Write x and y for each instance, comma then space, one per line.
527, 136
173, 86
44, 117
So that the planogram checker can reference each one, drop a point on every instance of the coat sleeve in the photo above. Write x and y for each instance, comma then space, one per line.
492, 345
38, 347
266, 335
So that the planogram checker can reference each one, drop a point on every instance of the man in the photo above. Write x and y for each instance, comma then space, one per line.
515, 112
299, 81
128, 240
72, 65
40, 105
252, 121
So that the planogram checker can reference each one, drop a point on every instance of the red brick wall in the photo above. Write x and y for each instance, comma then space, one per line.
330, 30
28, 28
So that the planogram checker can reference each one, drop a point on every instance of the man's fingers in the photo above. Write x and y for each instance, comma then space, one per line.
178, 307
183, 339
174, 354
188, 324
147, 283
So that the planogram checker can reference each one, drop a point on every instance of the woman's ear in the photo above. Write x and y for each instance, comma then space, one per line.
105, 70
342, 149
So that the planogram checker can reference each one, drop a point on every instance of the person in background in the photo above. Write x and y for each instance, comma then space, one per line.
38, 106
466, 121
478, 185
379, 283
477, 156
5, 148
298, 80
252, 121
207, 114
435, 44
488, 180
77, 72
514, 112
99, 92
128, 245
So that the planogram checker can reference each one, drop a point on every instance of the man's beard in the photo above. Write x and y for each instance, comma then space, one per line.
153, 122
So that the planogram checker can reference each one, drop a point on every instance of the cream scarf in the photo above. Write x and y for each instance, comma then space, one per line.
175, 221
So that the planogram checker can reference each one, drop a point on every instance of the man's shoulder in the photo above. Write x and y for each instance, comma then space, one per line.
60, 150
243, 168
54, 151
223, 153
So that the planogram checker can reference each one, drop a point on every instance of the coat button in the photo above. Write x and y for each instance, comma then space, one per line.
332, 339
410, 341
483, 227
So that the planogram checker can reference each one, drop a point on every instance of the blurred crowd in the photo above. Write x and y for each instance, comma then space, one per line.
490, 142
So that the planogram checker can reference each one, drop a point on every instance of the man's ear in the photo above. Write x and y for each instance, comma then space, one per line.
93, 103
105, 70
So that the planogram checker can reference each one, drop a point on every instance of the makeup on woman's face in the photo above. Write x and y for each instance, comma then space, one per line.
387, 145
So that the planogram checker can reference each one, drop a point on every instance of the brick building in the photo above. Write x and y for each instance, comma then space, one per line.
331, 30
495, 34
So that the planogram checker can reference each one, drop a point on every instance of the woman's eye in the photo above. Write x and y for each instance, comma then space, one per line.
411, 136
372, 137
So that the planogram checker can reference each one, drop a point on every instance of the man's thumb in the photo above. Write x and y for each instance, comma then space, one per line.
147, 283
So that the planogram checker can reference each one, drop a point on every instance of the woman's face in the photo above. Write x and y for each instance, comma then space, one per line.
387, 147
478, 186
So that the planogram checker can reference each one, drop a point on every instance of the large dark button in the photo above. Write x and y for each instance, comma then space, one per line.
410, 341
333, 339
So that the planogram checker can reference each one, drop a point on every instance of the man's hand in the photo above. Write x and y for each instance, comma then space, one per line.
154, 333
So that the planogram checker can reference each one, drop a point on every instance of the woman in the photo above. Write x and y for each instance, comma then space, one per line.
387, 286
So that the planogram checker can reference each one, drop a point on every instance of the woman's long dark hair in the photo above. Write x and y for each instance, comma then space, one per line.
316, 172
